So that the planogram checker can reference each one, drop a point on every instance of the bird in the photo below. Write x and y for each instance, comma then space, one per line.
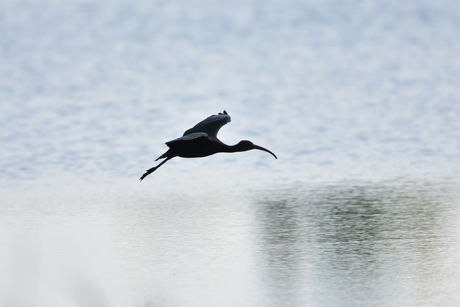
201, 141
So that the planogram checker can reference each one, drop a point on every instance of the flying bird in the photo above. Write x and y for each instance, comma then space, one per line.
201, 141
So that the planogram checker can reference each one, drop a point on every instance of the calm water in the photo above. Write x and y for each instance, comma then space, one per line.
358, 100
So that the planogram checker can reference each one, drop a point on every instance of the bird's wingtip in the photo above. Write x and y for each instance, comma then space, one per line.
228, 118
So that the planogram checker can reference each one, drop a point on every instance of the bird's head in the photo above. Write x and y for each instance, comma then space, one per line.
248, 145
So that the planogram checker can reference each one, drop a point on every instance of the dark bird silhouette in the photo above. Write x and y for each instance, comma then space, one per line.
202, 141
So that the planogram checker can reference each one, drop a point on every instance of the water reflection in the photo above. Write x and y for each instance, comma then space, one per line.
298, 244
360, 243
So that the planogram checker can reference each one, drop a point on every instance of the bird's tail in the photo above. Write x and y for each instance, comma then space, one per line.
151, 170
165, 155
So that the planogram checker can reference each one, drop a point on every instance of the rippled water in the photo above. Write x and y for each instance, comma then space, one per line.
359, 101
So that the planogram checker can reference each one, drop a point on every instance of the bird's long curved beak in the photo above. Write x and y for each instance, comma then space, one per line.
264, 149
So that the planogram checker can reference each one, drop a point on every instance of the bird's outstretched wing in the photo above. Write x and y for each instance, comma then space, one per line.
177, 143
187, 137
210, 125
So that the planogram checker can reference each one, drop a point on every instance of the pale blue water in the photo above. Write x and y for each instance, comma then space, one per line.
359, 101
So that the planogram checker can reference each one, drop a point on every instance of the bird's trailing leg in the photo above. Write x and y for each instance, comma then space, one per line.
151, 170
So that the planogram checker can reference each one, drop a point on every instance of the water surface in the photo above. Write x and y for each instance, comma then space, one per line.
359, 101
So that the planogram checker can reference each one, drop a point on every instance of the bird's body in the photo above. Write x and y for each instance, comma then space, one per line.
201, 141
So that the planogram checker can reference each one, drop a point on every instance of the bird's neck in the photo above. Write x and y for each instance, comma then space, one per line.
233, 148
